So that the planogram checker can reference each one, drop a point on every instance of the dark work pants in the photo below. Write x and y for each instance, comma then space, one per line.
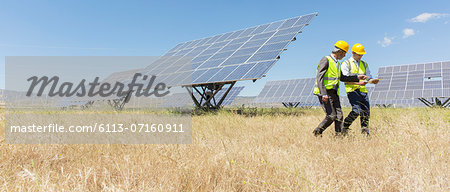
360, 107
333, 112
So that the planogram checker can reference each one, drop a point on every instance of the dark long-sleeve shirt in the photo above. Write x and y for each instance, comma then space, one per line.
322, 69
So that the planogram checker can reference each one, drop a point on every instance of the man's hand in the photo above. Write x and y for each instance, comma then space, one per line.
362, 77
325, 99
362, 83
374, 81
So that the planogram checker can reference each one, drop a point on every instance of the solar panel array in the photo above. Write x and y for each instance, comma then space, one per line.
403, 84
295, 90
234, 92
239, 55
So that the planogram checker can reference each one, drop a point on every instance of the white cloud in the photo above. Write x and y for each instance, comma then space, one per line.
446, 22
386, 41
424, 17
408, 32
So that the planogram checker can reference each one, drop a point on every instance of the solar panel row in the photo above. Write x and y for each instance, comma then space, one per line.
401, 84
398, 102
234, 92
295, 90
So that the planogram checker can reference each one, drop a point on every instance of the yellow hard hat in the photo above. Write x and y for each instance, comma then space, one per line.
342, 45
359, 49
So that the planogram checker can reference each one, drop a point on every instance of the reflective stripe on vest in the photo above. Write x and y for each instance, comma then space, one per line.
356, 70
331, 77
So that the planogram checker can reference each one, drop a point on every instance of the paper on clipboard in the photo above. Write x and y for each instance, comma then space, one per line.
371, 81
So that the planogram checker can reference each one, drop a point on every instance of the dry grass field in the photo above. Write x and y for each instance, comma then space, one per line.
408, 151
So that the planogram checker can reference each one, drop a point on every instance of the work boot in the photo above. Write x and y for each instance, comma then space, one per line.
317, 131
345, 131
365, 131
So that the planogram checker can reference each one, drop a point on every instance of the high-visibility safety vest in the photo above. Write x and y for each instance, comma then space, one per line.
331, 78
356, 70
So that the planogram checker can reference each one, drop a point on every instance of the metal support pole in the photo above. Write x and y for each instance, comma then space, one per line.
424, 101
205, 97
446, 103
192, 96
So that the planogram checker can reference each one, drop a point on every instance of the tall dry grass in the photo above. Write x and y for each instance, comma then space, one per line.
408, 151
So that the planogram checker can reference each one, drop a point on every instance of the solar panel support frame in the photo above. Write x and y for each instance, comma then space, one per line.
118, 104
291, 104
384, 105
436, 102
207, 92
87, 105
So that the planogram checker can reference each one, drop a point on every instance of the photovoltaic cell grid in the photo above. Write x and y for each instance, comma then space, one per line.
295, 90
369, 90
239, 55
234, 92
402, 84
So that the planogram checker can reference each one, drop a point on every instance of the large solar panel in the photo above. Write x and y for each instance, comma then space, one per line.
239, 55
403, 84
295, 90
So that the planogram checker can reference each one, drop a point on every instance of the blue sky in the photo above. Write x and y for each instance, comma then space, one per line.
393, 32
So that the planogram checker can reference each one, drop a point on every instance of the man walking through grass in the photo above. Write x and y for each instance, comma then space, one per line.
357, 92
327, 87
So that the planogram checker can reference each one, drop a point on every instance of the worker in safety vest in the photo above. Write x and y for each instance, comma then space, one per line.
326, 87
357, 92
